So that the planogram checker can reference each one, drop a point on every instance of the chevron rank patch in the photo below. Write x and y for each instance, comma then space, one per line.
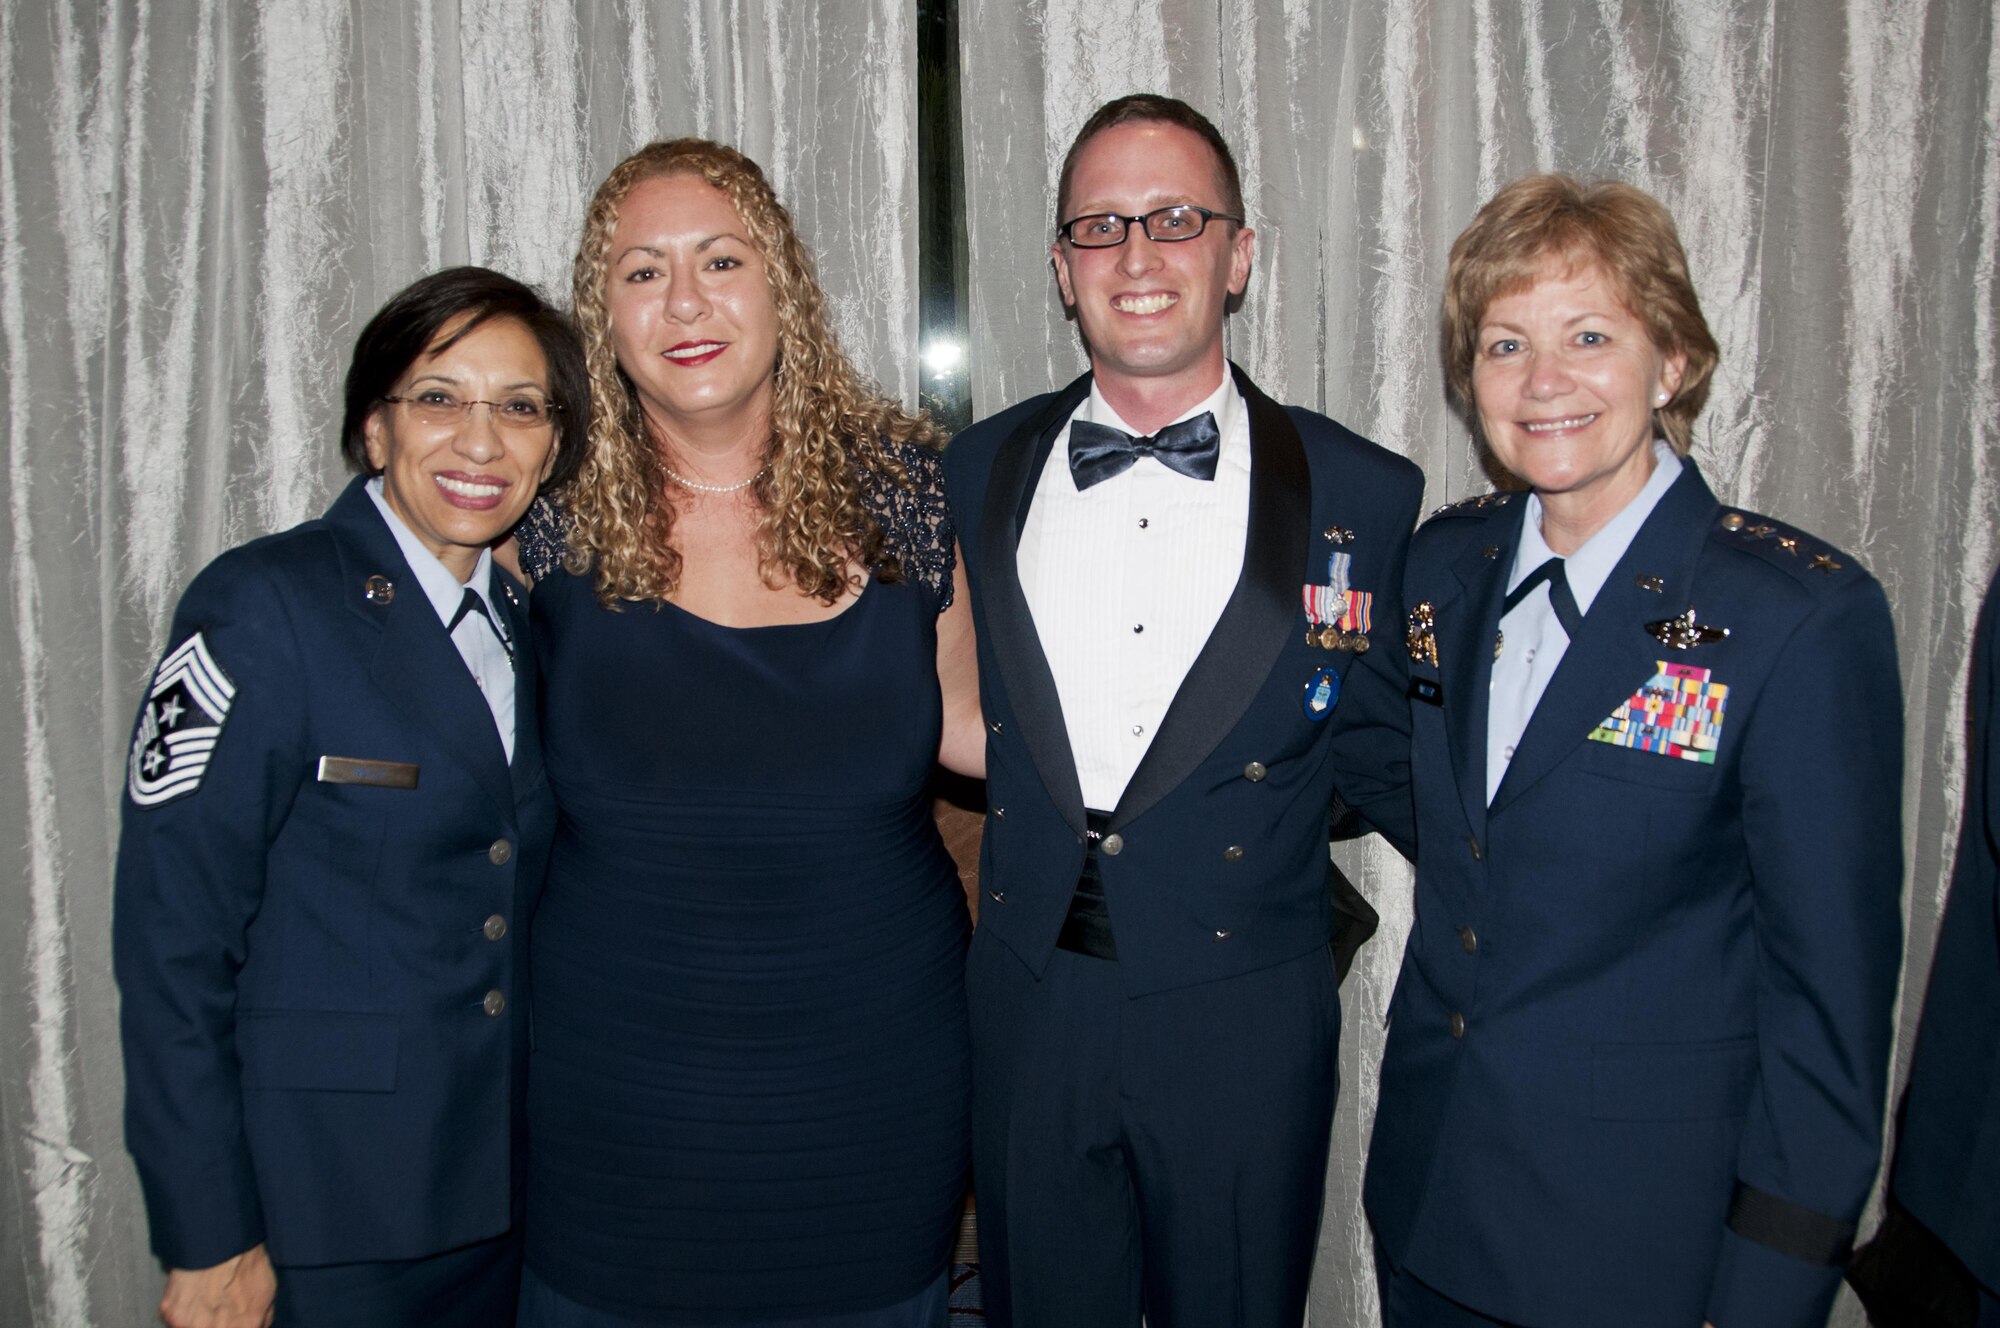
179, 726
1678, 713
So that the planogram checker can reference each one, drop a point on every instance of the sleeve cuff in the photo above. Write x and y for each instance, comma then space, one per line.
1758, 1287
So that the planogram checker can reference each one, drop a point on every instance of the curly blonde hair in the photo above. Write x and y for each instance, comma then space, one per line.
830, 426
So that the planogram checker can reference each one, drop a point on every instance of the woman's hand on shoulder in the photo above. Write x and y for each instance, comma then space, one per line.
962, 746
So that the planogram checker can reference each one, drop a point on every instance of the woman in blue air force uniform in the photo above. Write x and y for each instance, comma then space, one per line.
335, 827
1638, 1050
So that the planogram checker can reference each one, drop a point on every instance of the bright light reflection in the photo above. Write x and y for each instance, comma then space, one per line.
942, 356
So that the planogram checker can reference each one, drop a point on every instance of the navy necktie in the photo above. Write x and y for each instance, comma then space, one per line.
472, 603
1560, 598
1098, 451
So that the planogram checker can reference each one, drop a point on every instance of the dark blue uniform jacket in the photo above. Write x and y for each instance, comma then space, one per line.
322, 960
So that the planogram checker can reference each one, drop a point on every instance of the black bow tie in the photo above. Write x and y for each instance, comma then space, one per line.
1098, 451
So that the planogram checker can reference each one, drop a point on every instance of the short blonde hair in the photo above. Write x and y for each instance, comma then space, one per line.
1625, 233
829, 425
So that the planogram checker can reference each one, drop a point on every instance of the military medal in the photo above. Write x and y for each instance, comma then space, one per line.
1322, 690
1683, 633
1421, 639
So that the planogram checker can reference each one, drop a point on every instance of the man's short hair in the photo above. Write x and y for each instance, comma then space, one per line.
1151, 108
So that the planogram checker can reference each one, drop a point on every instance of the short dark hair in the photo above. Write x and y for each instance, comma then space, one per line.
408, 324
1152, 108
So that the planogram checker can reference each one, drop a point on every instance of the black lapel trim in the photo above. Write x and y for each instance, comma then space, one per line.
1615, 655
1024, 667
416, 666
1466, 630
1257, 621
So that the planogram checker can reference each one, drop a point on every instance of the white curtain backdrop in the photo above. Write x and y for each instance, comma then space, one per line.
199, 202
1835, 170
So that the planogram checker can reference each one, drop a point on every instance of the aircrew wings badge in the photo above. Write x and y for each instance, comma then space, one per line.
178, 728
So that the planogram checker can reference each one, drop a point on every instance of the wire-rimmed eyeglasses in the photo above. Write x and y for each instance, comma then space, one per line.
1107, 230
440, 409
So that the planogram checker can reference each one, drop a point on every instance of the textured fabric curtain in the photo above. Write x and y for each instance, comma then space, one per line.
1835, 170
199, 204
199, 201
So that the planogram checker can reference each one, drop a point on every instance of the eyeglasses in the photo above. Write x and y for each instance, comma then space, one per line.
1107, 230
440, 409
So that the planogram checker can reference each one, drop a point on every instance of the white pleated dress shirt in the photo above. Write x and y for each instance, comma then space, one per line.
477, 645
1532, 641
1126, 581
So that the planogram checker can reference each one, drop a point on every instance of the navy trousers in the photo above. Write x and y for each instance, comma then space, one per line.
470, 1287
1163, 1154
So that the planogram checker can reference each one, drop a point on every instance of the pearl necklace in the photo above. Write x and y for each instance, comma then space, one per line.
699, 487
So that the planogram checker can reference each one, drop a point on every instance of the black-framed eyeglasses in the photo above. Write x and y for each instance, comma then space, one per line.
1107, 230
440, 409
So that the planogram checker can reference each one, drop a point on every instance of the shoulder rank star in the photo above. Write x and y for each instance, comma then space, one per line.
1683, 633
1421, 640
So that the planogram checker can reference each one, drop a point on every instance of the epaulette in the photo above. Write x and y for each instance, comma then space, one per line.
1805, 556
1478, 505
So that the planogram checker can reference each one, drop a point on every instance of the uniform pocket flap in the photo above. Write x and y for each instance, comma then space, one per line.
1662, 1081
327, 1050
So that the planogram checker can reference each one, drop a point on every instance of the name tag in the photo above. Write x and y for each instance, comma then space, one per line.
376, 774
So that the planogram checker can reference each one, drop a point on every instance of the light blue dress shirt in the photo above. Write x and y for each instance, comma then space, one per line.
1532, 642
477, 645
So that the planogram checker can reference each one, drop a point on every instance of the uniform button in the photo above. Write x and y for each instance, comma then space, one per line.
495, 1002
495, 928
1234, 853
1113, 845
499, 853
1457, 1024
997, 896
1255, 772
1222, 933
1507, 752
1138, 628
996, 726
1472, 842
999, 813
1143, 523
1138, 729
1468, 940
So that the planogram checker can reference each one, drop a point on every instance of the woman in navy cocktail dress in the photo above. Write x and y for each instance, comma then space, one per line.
748, 1093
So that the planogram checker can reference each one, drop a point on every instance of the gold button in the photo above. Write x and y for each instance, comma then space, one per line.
1457, 1024
1113, 845
1469, 940
499, 852
1234, 853
495, 1002
1255, 772
1734, 521
495, 928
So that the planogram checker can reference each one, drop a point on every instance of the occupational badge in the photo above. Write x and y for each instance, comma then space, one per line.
1684, 633
1677, 713
1322, 691
178, 728
1421, 639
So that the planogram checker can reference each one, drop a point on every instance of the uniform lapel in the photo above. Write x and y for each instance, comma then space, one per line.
415, 665
1030, 685
1614, 656
1467, 627
1255, 624
526, 767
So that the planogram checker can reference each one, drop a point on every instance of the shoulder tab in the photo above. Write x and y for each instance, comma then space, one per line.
1480, 505
1806, 557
